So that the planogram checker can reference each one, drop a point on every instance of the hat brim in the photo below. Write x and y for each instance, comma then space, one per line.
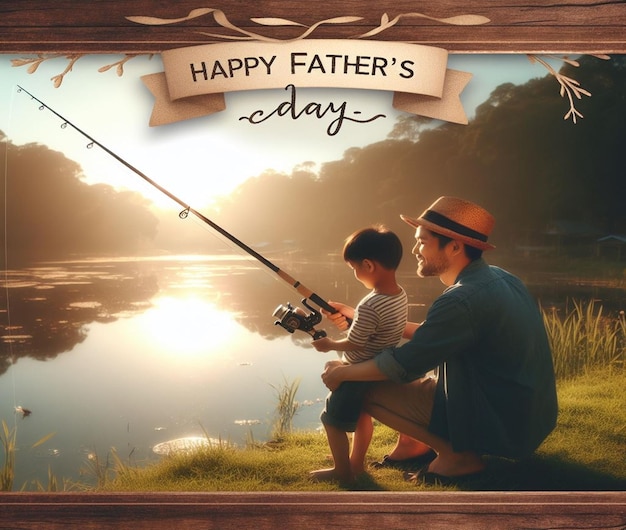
477, 243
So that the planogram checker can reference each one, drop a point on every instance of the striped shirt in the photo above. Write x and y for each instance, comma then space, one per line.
379, 322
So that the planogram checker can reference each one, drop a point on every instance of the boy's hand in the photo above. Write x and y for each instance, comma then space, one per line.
324, 344
339, 319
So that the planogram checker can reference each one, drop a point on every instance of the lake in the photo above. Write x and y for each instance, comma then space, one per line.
128, 353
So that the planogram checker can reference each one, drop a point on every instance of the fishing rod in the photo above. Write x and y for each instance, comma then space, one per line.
289, 317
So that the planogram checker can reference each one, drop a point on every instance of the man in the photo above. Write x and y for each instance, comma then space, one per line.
495, 390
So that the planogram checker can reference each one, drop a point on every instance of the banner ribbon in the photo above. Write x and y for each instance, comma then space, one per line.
196, 78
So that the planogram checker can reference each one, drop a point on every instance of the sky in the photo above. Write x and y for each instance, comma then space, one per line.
200, 159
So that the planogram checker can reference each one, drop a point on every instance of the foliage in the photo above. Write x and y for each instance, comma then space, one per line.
286, 407
8, 439
516, 157
7, 472
51, 212
584, 340
97, 468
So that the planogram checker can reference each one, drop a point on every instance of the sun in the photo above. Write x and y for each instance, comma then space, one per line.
187, 327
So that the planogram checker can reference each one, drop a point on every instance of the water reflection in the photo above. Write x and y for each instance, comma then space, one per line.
146, 351
48, 308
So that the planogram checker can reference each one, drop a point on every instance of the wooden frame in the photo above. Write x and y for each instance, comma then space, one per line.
101, 26
348, 510
71, 27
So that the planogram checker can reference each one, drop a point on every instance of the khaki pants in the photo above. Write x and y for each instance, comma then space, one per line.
410, 401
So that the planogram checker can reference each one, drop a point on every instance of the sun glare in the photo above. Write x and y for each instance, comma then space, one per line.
188, 327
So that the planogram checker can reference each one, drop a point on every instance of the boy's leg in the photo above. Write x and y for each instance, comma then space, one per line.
360, 443
341, 414
340, 449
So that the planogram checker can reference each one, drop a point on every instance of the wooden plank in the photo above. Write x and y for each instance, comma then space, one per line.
350, 510
101, 26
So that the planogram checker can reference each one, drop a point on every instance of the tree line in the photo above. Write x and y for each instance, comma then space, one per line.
517, 157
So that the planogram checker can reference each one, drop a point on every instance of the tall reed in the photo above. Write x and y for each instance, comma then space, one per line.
286, 407
7, 472
584, 339
97, 468
8, 439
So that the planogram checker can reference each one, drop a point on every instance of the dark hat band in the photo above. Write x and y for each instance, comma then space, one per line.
445, 222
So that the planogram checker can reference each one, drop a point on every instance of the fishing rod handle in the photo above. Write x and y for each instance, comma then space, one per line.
322, 303
325, 305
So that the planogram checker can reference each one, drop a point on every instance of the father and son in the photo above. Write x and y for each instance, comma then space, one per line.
475, 378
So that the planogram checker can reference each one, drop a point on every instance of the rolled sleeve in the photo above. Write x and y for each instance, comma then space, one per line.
445, 334
387, 364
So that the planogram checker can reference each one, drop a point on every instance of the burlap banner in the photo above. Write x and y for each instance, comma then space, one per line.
196, 78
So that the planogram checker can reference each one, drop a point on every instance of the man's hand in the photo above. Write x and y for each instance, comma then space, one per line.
331, 376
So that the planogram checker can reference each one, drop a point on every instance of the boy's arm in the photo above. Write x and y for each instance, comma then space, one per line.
326, 344
410, 329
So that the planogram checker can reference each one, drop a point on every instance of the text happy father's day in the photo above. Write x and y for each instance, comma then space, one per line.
303, 63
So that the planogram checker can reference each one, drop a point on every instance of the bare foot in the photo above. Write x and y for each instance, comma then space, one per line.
358, 469
330, 475
456, 464
407, 447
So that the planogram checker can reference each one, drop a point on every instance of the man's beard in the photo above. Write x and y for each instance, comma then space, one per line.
432, 267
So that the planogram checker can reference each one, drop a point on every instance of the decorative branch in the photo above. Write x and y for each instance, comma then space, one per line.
220, 17
241, 34
35, 62
461, 20
119, 65
569, 87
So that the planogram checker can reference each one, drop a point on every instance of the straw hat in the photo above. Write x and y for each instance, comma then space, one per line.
459, 219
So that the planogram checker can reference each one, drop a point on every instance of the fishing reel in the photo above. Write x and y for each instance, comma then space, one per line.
295, 318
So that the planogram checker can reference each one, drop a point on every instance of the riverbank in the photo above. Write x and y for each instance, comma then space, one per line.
584, 453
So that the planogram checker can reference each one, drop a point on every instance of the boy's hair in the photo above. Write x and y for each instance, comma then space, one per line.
375, 243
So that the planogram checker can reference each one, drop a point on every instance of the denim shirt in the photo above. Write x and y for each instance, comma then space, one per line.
496, 391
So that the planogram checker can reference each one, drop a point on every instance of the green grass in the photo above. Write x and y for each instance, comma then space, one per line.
585, 452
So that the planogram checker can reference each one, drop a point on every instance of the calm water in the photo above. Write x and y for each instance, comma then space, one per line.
132, 353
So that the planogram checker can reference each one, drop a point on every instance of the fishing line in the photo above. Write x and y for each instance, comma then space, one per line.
9, 328
289, 319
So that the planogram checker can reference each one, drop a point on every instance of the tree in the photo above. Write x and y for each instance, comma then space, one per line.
51, 212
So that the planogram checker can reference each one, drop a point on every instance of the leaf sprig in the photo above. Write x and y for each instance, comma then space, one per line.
569, 86
240, 34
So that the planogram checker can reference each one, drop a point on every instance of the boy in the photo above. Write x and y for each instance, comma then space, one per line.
378, 322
